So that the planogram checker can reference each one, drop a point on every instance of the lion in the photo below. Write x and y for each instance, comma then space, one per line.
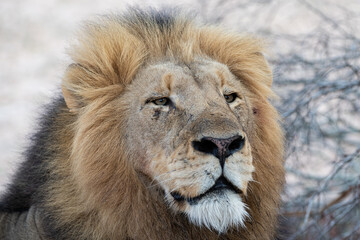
163, 130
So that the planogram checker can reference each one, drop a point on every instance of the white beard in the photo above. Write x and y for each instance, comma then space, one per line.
218, 211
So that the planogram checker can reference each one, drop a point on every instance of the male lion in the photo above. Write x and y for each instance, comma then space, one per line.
164, 131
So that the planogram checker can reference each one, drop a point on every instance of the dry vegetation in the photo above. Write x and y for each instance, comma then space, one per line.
320, 90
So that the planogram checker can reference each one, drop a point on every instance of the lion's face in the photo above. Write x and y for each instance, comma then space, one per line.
189, 126
168, 114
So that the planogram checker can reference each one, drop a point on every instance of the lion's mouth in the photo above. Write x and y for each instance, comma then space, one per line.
220, 185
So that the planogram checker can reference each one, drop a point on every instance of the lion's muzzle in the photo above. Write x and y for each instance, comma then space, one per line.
221, 148
220, 185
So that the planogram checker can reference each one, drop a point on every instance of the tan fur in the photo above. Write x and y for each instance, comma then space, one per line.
108, 190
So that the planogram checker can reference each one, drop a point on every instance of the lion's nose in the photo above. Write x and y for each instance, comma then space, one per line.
220, 148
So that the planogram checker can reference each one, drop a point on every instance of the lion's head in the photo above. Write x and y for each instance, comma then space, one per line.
174, 115
188, 125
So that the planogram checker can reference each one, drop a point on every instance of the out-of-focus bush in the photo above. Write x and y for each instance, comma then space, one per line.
319, 84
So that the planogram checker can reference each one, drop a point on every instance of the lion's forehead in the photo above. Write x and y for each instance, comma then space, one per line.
198, 76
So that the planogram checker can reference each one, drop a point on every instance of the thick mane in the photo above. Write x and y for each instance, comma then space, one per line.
106, 59
94, 189
110, 51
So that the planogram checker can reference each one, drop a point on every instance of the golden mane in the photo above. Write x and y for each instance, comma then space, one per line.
110, 51
94, 190
106, 59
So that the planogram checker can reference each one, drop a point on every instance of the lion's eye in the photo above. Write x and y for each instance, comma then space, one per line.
230, 98
161, 101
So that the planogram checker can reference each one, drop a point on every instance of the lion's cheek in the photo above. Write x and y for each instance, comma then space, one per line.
239, 168
151, 163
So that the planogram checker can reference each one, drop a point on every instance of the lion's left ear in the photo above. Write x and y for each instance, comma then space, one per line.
267, 80
243, 54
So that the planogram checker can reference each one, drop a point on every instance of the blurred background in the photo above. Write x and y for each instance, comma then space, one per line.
314, 50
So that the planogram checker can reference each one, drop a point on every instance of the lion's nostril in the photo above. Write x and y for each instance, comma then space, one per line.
236, 145
220, 148
205, 146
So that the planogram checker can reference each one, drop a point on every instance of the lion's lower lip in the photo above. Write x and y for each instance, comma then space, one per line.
221, 184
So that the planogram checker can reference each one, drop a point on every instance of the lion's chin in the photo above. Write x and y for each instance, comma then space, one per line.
218, 211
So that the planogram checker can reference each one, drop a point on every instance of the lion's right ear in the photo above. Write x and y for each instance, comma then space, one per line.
83, 84
70, 87
70, 100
